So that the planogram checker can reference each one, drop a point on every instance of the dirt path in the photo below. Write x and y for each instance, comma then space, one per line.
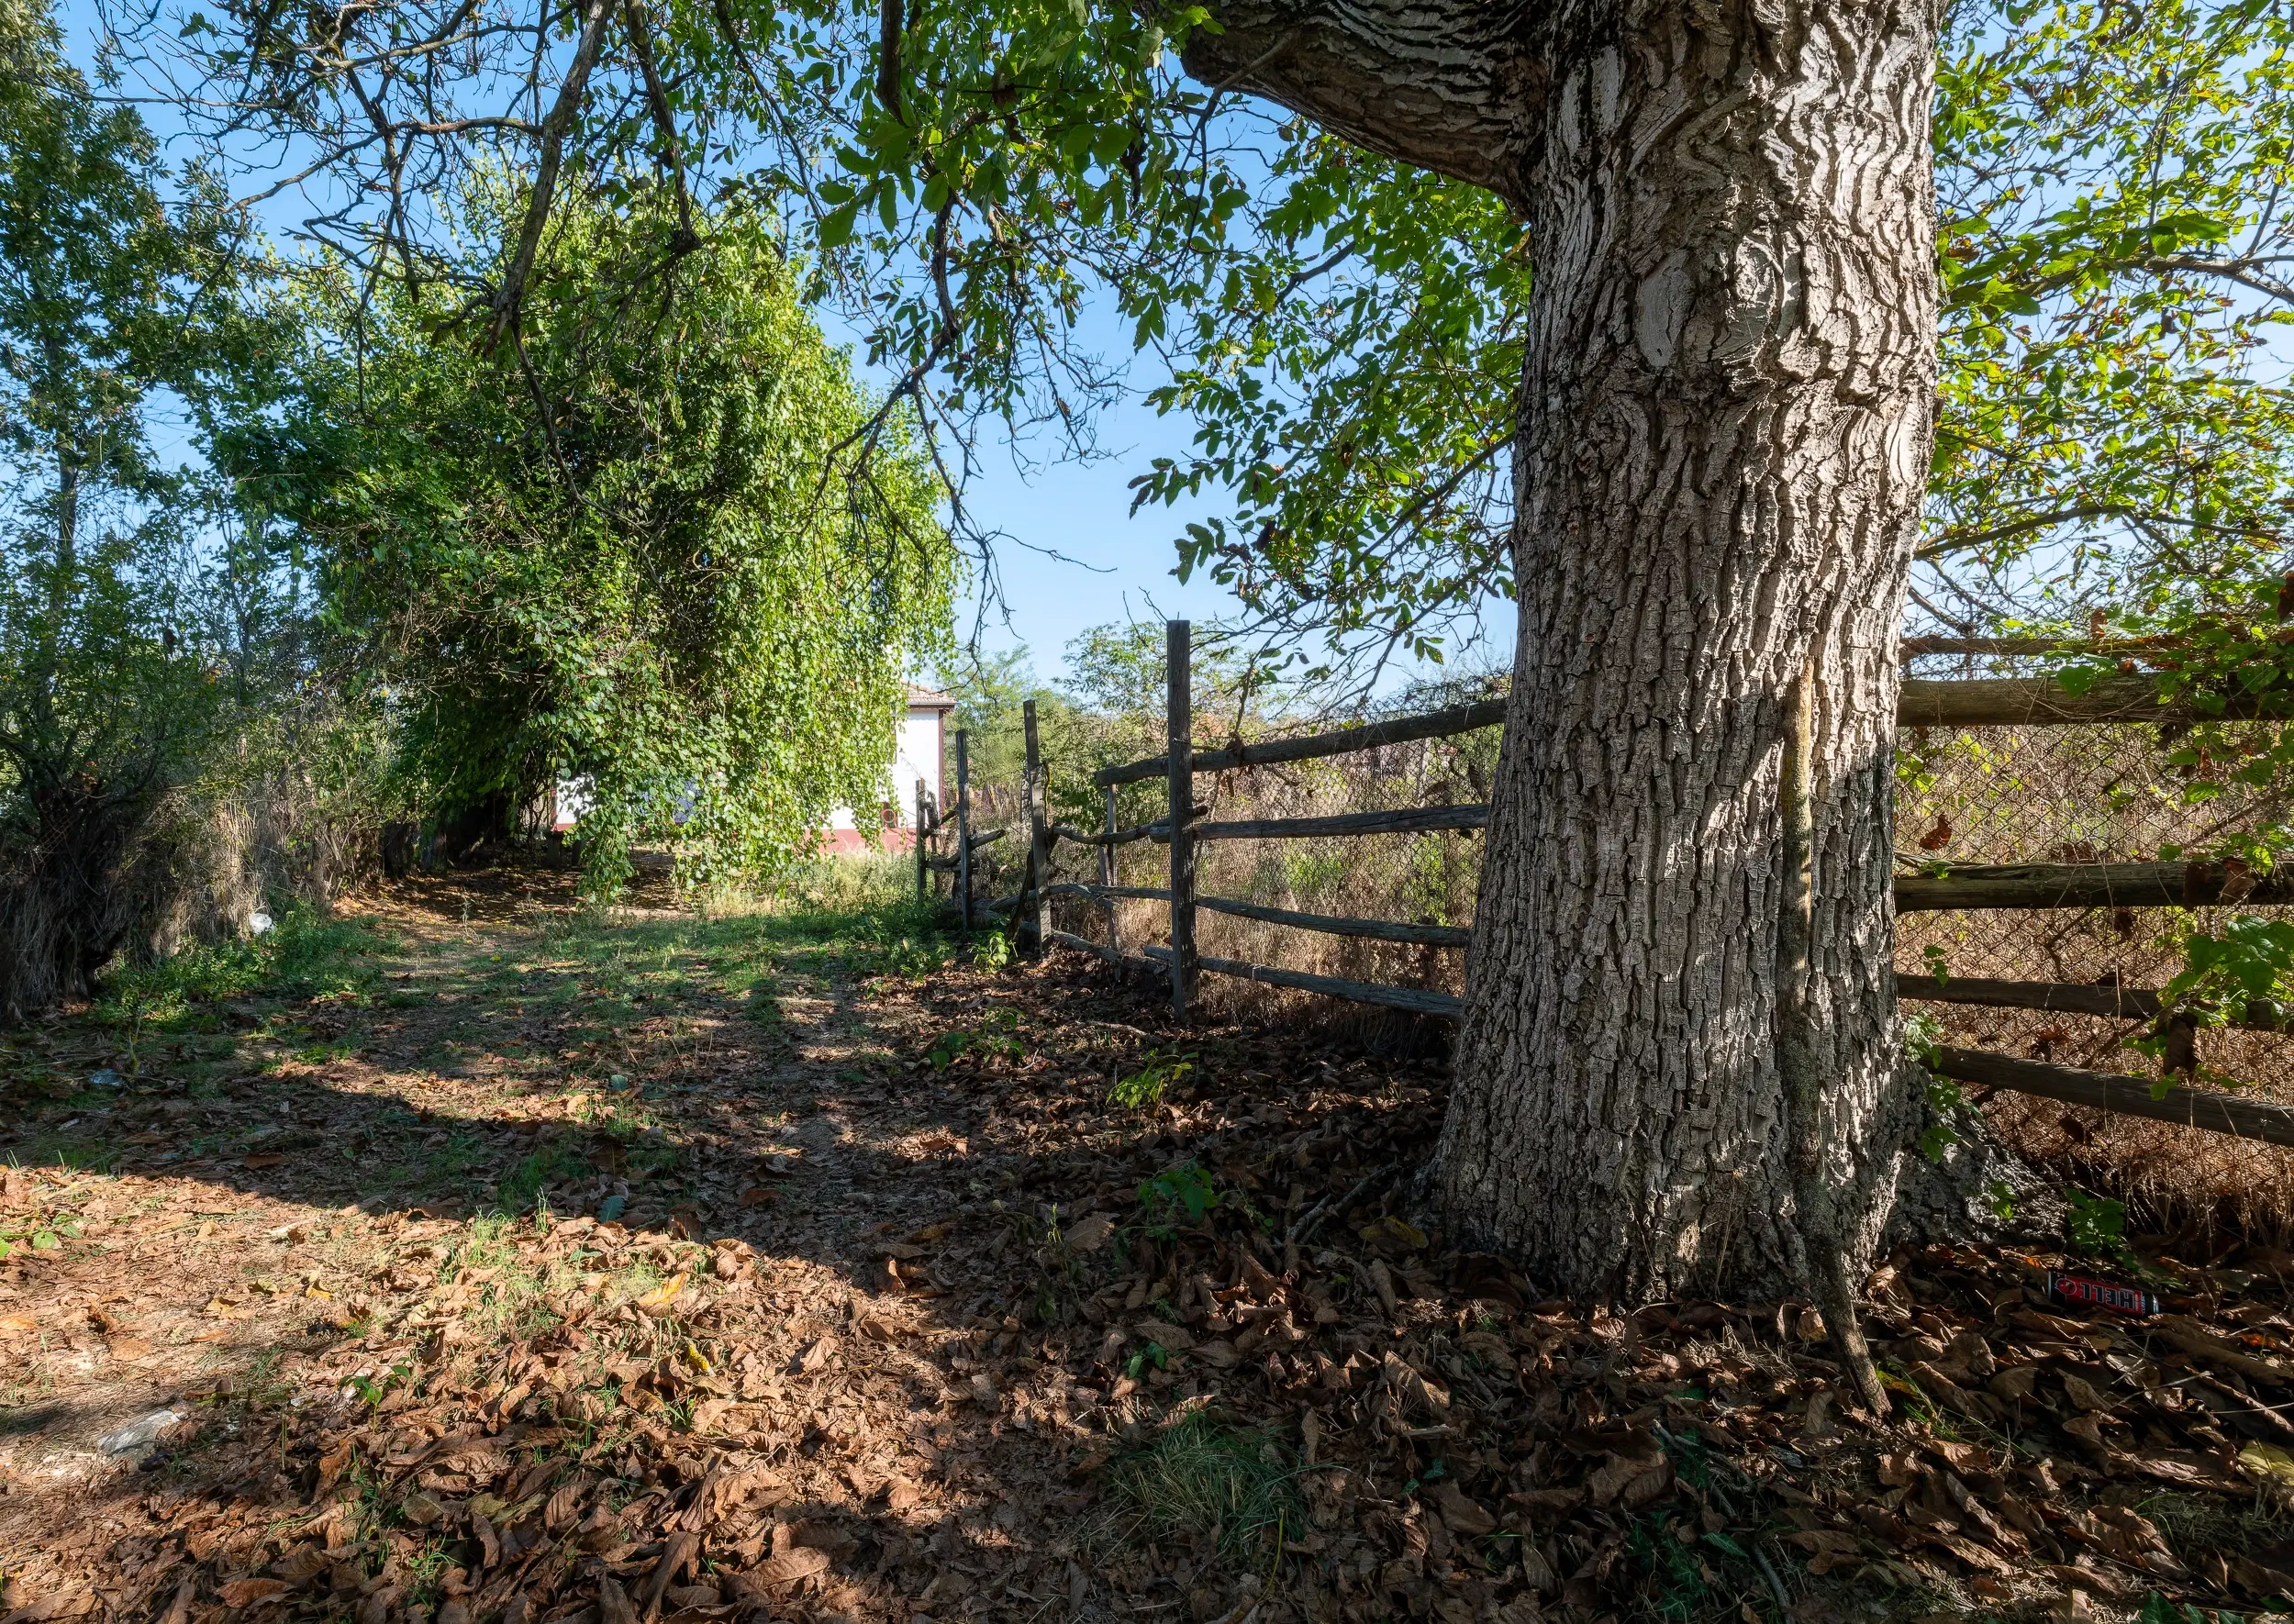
496, 1265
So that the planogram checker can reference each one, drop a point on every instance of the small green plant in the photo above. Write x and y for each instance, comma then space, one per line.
1945, 1098
43, 1231
1154, 1353
2095, 1225
1673, 1571
1145, 1086
2157, 1610
1937, 963
1186, 1188
990, 1039
1999, 1200
992, 950
426, 1573
1923, 1036
372, 1391
1922, 1041
2222, 979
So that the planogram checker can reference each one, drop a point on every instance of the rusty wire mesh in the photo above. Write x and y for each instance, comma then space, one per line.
2078, 795
2091, 794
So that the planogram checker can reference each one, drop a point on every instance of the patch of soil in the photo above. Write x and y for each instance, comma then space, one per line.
855, 1292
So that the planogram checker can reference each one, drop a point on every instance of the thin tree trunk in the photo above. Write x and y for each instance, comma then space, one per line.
64, 575
1726, 417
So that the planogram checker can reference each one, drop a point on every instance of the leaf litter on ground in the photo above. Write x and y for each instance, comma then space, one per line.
998, 1341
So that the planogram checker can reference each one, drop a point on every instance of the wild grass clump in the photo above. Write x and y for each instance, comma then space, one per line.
1206, 1477
306, 954
864, 884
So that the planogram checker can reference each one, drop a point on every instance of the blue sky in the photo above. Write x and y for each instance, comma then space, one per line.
1077, 557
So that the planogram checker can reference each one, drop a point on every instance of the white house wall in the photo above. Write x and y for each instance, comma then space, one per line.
915, 754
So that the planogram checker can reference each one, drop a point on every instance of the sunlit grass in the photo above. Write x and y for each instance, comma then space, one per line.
1203, 1476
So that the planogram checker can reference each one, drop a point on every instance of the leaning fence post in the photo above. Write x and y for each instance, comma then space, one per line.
1179, 719
1031, 887
1107, 877
963, 834
921, 832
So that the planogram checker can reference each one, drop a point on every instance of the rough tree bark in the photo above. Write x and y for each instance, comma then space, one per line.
1724, 434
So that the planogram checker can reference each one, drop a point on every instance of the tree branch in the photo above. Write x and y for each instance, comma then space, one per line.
665, 126
553, 133
1450, 86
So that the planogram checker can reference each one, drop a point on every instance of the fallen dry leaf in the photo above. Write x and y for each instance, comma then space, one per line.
2267, 1462
244, 1593
1465, 1515
799, 1562
1089, 1234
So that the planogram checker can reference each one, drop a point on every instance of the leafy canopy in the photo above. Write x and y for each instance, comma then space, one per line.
610, 551
2116, 260
120, 294
1343, 331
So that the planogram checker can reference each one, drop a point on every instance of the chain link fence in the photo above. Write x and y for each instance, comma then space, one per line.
2090, 794
2086, 794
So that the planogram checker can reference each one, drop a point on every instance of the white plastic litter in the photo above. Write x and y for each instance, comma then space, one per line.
137, 1435
258, 922
106, 1078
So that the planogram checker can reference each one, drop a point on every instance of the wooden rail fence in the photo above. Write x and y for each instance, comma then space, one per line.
1927, 886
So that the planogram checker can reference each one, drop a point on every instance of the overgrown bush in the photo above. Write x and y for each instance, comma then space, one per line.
168, 764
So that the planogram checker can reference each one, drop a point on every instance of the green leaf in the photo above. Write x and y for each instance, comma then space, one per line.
836, 229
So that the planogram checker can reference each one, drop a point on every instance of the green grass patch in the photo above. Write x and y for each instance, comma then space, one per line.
303, 955
555, 1163
1203, 1476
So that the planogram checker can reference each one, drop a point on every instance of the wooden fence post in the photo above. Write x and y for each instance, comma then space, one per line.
1032, 884
1179, 722
963, 834
1107, 877
923, 880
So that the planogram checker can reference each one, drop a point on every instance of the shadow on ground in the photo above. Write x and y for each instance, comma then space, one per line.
504, 1265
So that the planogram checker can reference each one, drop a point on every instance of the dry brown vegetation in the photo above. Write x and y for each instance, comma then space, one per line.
2090, 794
883, 1287
1993, 795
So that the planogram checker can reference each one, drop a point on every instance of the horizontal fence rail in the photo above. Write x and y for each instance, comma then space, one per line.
1923, 702
1108, 893
1434, 724
949, 864
1160, 830
2067, 999
2039, 701
1451, 936
2089, 884
1417, 999
2117, 1003
2129, 1097
1407, 820
2110, 647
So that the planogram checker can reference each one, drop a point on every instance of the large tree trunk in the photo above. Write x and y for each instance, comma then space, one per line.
1724, 439
1681, 1069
